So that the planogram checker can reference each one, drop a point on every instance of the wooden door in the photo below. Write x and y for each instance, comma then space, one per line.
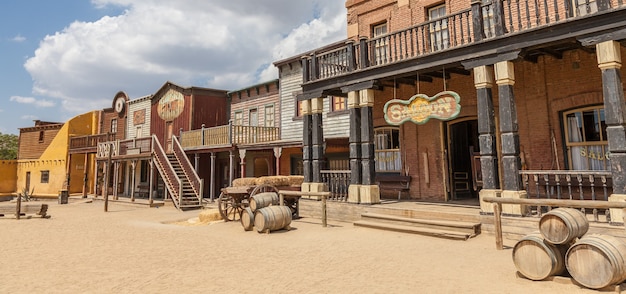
27, 184
169, 132
462, 143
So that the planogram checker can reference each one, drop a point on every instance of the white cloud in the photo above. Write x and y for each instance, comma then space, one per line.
18, 39
33, 101
228, 44
29, 117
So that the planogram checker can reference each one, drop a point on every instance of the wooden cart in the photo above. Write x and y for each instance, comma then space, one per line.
233, 200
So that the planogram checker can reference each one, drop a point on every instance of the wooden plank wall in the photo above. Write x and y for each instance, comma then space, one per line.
290, 81
257, 98
139, 116
29, 145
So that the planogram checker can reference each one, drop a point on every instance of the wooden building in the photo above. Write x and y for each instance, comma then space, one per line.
475, 99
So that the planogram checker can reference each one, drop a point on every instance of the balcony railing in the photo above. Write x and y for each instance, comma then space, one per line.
568, 185
482, 21
228, 135
129, 147
338, 182
89, 143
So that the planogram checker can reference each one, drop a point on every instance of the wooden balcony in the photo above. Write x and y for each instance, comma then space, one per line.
228, 135
139, 147
89, 143
484, 30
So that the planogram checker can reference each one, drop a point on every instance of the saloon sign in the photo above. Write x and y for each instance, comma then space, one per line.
420, 108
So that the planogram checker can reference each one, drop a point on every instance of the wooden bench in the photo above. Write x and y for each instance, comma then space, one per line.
142, 191
25, 209
395, 183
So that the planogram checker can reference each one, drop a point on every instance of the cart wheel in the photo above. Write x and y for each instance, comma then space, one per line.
263, 188
230, 209
292, 203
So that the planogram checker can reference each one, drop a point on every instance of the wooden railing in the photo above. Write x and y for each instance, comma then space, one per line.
568, 185
477, 23
228, 135
172, 182
188, 169
135, 146
338, 182
89, 141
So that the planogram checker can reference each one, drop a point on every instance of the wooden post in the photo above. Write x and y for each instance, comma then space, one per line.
18, 208
106, 180
324, 221
497, 209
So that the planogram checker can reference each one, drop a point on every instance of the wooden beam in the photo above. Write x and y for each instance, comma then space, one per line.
371, 84
459, 71
615, 35
493, 59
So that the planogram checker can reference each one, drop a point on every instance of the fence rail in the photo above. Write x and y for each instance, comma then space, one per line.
338, 182
228, 135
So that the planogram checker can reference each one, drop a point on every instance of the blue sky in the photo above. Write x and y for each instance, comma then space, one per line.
62, 58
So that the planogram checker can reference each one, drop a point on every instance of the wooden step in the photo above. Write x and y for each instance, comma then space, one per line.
472, 228
413, 230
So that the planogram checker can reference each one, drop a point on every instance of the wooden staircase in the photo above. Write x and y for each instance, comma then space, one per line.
188, 199
455, 223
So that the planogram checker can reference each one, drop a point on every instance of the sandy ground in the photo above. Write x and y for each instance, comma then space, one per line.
133, 249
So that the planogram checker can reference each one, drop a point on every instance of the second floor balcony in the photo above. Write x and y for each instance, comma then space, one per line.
484, 29
227, 136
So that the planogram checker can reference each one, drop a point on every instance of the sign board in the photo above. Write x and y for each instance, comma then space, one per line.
420, 108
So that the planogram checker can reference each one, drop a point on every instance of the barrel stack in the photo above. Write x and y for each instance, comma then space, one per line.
265, 214
562, 246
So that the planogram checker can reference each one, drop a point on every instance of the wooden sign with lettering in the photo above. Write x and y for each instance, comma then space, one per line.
420, 108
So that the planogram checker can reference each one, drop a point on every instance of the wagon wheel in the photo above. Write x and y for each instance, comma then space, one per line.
263, 188
292, 203
230, 208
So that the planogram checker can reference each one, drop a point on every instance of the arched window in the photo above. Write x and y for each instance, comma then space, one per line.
387, 146
585, 139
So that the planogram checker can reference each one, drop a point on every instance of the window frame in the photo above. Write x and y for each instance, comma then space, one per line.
333, 103
380, 44
114, 126
45, 177
394, 151
269, 116
438, 28
587, 148
238, 118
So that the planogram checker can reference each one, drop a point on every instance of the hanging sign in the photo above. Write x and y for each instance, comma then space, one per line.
420, 108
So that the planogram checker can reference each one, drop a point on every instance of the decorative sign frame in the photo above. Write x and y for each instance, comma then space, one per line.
171, 105
420, 108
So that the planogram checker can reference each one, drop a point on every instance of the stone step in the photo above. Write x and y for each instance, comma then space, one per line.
472, 228
413, 230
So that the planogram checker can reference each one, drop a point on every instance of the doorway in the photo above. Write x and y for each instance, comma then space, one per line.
463, 147
169, 132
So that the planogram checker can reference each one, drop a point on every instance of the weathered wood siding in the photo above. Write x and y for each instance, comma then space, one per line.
258, 98
210, 107
30, 147
336, 125
108, 115
139, 117
290, 80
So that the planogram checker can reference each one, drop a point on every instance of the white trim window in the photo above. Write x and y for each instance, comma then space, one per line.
380, 44
439, 37
584, 7
269, 116
387, 149
585, 139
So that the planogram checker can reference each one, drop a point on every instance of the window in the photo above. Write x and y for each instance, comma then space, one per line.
586, 142
489, 23
139, 132
584, 7
269, 116
114, 126
387, 146
41, 136
338, 103
253, 117
238, 118
438, 28
45, 176
380, 44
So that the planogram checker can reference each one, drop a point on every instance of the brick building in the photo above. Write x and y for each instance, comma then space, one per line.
532, 85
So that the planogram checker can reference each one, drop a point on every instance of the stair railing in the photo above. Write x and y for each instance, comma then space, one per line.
193, 178
165, 168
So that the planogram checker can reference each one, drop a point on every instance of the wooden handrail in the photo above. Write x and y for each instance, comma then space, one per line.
498, 201
323, 195
167, 170
191, 174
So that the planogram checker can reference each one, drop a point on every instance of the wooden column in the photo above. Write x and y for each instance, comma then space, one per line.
317, 139
511, 163
212, 191
307, 146
196, 162
116, 178
133, 169
151, 183
86, 175
483, 81
610, 62
95, 178
231, 167
242, 162
277, 154
368, 164
354, 139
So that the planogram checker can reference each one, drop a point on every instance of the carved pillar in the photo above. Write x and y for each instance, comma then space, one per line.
511, 162
369, 191
317, 139
133, 170
355, 147
483, 81
610, 62
307, 154
277, 153
231, 167
151, 183
242, 162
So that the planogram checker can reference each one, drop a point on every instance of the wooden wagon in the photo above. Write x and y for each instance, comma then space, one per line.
233, 200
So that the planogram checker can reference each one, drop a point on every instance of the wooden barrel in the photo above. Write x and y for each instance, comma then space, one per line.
247, 219
272, 218
264, 199
597, 261
563, 225
537, 259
